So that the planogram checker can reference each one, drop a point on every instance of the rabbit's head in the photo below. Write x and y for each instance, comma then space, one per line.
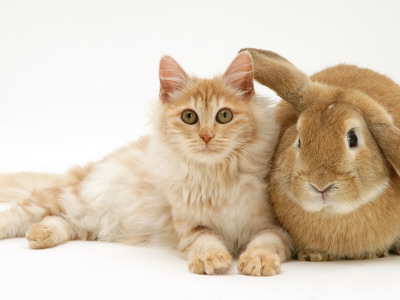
343, 148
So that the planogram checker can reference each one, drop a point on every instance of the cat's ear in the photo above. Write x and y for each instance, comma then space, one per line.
239, 74
172, 78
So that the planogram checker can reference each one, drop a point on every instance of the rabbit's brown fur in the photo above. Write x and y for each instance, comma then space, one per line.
336, 200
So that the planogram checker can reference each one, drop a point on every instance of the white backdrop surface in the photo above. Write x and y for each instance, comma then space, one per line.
76, 80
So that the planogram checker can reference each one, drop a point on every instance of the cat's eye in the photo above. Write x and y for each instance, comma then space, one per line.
189, 116
298, 143
224, 116
352, 139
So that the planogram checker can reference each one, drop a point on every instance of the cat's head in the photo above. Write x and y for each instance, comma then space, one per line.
207, 120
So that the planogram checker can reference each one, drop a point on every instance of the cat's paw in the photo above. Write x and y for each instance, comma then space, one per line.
210, 262
313, 255
259, 262
40, 237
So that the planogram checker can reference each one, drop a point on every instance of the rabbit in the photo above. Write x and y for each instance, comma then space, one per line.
335, 184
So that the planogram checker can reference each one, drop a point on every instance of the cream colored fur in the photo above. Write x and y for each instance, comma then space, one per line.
206, 199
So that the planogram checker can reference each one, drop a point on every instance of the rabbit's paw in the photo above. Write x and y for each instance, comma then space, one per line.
259, 262
40, 237
384, 253
372, 255
313, 255
213, 261
396, 248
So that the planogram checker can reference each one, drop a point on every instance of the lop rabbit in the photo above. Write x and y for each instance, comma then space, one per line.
335, 182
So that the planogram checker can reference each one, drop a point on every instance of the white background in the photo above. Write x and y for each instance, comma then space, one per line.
76, 80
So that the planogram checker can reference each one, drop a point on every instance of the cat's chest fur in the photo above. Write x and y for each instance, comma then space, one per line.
222, 198
207, 187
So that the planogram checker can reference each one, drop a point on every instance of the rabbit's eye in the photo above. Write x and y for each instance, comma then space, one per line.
352, 139
298, 143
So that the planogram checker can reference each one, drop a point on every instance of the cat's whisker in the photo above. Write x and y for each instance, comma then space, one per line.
255, 156
252, 166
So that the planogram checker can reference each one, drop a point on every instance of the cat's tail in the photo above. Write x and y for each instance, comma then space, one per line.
36, 197
15, 187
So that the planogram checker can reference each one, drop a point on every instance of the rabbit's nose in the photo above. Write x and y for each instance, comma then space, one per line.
322, 191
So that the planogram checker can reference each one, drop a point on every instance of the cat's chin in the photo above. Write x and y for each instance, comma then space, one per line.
208, 156
206, 150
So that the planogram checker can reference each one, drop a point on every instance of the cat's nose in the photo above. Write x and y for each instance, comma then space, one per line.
206, 137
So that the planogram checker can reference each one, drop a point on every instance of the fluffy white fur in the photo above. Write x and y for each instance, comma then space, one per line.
207, 200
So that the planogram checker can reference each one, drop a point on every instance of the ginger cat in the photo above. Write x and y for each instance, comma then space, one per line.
196, 184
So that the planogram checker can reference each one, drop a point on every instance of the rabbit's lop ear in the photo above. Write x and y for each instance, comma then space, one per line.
277, 73
381, 125
390, 145
388, 137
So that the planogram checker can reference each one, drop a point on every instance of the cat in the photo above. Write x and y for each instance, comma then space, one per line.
197, 183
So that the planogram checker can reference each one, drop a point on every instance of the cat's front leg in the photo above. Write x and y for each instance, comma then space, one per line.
265, 253
207, 254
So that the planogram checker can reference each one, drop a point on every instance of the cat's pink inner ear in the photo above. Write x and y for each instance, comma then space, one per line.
240, 73
172, 78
